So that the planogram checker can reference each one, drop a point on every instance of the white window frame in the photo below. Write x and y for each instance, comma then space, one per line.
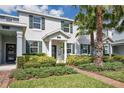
81, 50
30, 47
67, 27
71, 48
39, 23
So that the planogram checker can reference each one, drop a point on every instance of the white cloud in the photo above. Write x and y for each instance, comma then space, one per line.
39, 8
55, 12
8, 8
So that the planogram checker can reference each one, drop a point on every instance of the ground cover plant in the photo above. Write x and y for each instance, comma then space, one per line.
117, 75
29, 73
67, 81
113, 66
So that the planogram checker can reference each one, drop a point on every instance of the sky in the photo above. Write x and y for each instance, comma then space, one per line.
55, 10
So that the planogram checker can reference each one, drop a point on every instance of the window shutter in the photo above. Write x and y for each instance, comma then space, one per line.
43, 23
71, 28
88, 49
40, 47
27, 46
62, 25
73, 48
30, 21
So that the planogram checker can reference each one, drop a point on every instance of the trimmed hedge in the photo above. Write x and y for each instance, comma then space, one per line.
20, 61
118, 58
106, 66
35, 61
78, 59
24, 74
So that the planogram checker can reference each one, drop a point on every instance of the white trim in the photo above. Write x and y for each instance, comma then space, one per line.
6, 15
53, 32
41, 14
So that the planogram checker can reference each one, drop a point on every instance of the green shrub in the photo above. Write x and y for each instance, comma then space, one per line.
35, 54
78, 59
20, 61
46, 61
118, 58
32, 65
60, 64
106, 66
21, 74
36, 61
107, 59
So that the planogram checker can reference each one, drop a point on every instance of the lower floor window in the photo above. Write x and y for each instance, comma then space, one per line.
84, 49
33, 47
105, 49
70, 48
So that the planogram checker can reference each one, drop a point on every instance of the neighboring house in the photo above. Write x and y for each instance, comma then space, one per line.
34, 32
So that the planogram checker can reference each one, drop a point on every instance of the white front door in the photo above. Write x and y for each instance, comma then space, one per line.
60, 53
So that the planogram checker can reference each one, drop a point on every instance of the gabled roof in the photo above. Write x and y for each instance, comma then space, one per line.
54, 32
41, 14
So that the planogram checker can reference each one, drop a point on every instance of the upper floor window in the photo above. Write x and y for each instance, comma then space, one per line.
66, 26
36, 22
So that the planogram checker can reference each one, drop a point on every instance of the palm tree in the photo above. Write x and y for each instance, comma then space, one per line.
99, 37
112, 13
86, 25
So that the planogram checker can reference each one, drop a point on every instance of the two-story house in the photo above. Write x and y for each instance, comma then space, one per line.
34, 32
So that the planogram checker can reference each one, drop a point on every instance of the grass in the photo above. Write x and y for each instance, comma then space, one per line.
117, 75
67, 81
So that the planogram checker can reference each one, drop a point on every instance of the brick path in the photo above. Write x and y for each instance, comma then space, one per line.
104, 79
4, 79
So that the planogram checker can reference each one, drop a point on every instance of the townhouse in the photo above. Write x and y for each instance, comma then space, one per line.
34, 32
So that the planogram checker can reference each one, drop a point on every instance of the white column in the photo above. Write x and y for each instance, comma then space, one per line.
19, 43
65, 51
50, 48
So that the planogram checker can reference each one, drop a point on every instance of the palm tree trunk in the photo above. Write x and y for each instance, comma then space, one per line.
99, 45
92, 44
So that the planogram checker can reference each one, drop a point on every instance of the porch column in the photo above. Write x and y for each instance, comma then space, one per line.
65, 51
50, 48
19, 43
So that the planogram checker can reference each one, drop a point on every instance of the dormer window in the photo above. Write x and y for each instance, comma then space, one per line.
66, 26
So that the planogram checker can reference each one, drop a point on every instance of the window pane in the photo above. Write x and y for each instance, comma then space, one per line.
68, 51
34, 50
68, 45
36, 25
37, 19
84, 48
66, 29
33, 43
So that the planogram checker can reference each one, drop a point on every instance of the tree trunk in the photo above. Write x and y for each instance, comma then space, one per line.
92, 44
99, 45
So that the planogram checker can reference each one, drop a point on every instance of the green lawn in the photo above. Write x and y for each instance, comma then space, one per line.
67, 81
117, 75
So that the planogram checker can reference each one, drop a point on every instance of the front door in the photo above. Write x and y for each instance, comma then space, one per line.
54, 51
10, 53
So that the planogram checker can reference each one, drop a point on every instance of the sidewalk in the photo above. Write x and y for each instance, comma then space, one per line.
4, 79
104, 79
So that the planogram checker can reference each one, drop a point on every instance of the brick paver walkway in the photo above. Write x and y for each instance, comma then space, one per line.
4, 79
104, 79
